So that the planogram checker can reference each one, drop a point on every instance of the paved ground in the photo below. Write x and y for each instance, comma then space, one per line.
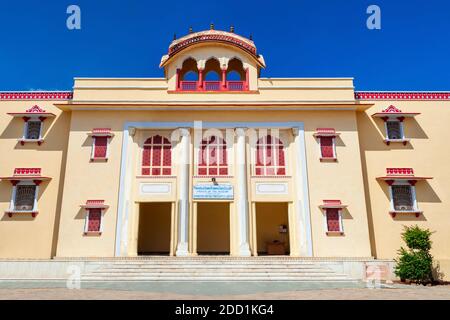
33, 292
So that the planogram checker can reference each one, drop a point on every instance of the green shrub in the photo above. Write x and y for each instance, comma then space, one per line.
417, 238
416, 263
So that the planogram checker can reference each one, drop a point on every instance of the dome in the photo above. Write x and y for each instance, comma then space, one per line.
213, 36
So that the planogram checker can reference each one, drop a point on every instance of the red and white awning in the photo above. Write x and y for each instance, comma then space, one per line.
101, 132
23, 174
394, 112
95, 204
325, 132
332, 204
34, 111
405, 174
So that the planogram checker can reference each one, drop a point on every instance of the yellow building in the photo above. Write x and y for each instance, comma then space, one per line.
214, 159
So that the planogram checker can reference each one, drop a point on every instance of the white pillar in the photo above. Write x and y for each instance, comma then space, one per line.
302, 203
13, 198
242, 198
183, 200
36, 194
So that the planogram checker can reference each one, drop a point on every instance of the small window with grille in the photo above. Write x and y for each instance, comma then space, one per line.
327, 148
33, 130
403, 198
24, 199
394, 130
333, 220
93, 221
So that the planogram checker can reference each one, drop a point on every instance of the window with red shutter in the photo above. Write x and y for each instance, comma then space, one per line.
212, 157
270, 157
326, 147
157, 157
100, 147
94, 220
333, 220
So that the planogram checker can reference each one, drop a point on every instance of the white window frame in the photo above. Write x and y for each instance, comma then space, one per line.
12, 203
413, 194
325, 221
25, 130
108, 138
402, 132
86, 221
333, 139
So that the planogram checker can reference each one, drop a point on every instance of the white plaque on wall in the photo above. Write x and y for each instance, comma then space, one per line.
271, 188
212, 191
155, 188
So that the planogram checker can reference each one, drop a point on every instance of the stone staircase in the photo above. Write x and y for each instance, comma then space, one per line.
211, 268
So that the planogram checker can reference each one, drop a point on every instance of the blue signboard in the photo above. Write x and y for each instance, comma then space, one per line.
213, 191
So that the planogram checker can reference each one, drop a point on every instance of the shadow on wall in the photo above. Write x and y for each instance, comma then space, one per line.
424, 194
437, 274
374, 134
51, 133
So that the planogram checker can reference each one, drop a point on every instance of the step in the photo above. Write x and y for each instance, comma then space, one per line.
221, 278
202, 267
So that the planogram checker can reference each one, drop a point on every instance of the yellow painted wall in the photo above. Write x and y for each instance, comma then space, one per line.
22, 236
427, 155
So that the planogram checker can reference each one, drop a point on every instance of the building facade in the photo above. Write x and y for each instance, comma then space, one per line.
214, 159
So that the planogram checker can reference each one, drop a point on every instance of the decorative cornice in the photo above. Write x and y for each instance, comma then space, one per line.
27, 171
35, 109
37, 95
399, 171
212, 36
368, 95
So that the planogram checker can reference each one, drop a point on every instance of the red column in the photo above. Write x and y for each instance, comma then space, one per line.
178, 79
224, 79
200, 79
247, 80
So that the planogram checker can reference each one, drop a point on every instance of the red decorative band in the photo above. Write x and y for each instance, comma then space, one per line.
95, 202
35, 95
27, 171
211, 37
399, 171
332, 202
402, 95
325, 130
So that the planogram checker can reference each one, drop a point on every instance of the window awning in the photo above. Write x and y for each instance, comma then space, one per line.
403, 174
325, 132
394, 112
95, 204
101, 132
34, 111
332, 204
24, 174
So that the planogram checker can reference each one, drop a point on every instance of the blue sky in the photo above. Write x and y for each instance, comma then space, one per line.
322, 38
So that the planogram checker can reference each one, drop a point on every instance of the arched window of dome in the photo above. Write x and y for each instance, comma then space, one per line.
235, 71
